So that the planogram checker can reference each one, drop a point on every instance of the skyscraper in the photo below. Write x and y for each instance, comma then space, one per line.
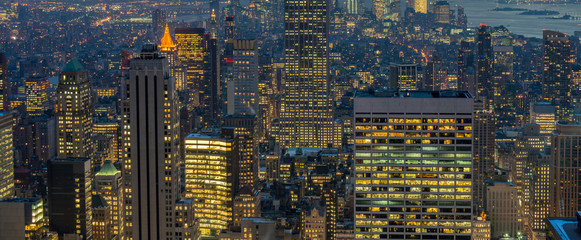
69, 197
413, 165
306, 117
75, 112
209, 168
243, 89
403, 77
503, 78
528, 146
6, 156
151, 142
190, 57
564, 169
243, 129
557, 72
3, 82
466, 67
36, 95
484, 61
484, 147
158, 21
109, 185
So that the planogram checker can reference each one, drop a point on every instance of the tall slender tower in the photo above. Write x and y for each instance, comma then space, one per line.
483, 159
3, 82
557, 72
75, 112
484, 58
306, 117
151, 145
466, 67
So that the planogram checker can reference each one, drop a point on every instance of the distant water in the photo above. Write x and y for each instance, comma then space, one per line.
478, 11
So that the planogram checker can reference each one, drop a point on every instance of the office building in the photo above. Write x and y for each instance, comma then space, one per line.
484, 149
306, 112
564, 169
243, 129
4, 105
243, 89
22, 218
74, 112
543, 114
151, 144
413, 165
190, 57
69, 197
210, 167
504, 209
6, 156
403, 77
109, 186
36, 96
557, 72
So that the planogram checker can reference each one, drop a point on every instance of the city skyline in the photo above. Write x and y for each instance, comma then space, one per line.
290, 120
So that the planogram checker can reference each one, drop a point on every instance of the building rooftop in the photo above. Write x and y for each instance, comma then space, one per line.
564, 228
73, 66
414, 94
108, 169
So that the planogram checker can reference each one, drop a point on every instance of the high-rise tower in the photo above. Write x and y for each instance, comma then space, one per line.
306, 117
557, 72
243, 89
151, 145
75, 112
413, 165
484, 61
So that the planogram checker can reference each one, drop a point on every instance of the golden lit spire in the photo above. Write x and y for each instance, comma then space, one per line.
166, 42
213, 15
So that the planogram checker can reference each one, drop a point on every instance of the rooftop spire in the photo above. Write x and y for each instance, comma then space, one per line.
166, 42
